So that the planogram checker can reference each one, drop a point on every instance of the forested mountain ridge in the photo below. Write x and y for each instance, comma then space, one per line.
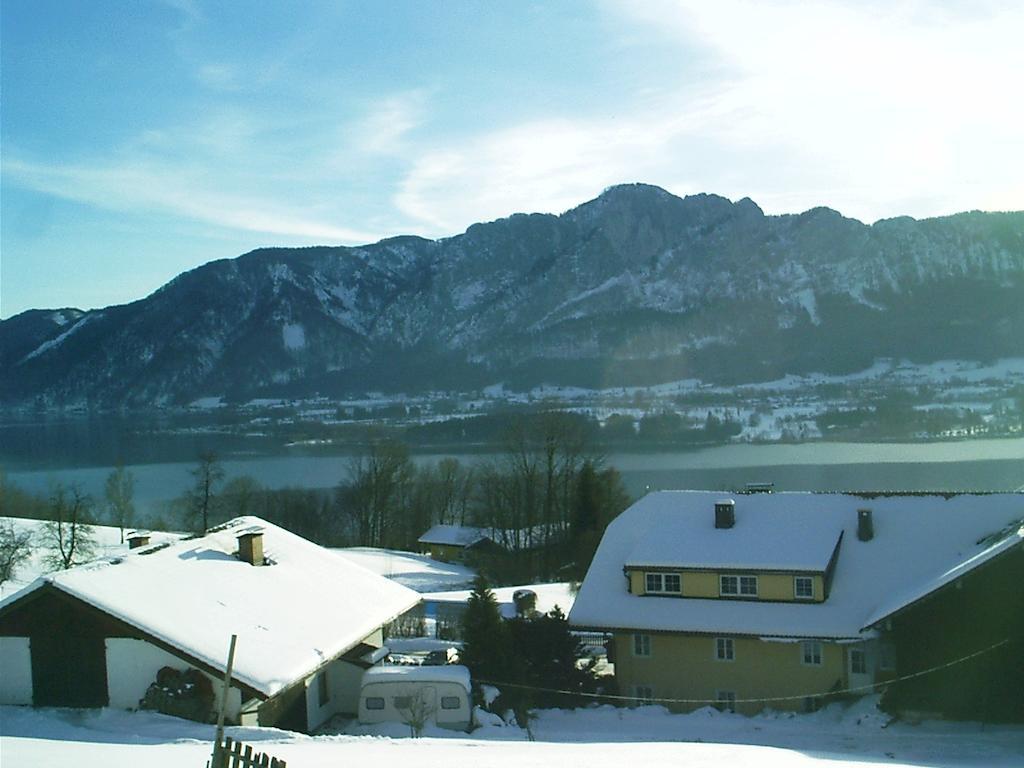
635, 287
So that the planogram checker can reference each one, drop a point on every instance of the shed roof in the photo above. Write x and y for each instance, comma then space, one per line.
454, 535
921, 543
291, 616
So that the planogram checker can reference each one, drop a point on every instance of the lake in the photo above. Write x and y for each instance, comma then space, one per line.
991, 465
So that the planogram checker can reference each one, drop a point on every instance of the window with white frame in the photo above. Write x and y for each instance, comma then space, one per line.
728, 585
725, 701
725, 649
663, 583
858, 662
803, 587
641, 645
737, 586
644, 694
810, 652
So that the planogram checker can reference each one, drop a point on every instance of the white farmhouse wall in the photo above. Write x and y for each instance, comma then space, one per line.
15, 671
132, 665
343, 681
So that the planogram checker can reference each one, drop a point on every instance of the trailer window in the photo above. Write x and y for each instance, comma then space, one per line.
375, 702
450, 702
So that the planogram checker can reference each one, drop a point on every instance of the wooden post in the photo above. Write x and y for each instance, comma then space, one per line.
217, 761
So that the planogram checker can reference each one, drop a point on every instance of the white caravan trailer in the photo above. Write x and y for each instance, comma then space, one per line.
416, 695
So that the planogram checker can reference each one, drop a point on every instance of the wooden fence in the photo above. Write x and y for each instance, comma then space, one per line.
235, 754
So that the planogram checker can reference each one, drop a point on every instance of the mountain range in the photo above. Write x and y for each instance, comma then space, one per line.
635, 287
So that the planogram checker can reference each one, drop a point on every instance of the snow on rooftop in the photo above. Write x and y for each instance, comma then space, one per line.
921, 542
447, 673
787, 539
453, 535
290, 616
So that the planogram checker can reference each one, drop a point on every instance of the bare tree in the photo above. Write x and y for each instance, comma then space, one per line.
120, 494
68, 533
378, 491
15, 549
419, 711
208, 475
240, 495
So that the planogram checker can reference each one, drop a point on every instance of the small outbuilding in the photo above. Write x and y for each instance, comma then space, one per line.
450, 543
417, 696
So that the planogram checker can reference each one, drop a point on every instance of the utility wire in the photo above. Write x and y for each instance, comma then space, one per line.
854, 689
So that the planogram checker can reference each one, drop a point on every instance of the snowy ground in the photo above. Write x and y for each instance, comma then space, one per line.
596, 737
107, 538
418, 572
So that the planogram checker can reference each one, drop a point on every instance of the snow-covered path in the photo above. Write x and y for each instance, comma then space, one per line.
596, 737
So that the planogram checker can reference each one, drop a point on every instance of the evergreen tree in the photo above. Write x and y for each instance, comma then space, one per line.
485, 639
550, 657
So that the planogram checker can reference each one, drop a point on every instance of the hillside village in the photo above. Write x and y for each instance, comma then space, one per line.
755, 604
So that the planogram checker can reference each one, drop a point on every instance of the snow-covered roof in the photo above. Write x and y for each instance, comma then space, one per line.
454, 535
788, 539
447, 673
290, 616
920, 544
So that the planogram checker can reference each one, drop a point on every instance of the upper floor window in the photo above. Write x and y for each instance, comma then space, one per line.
641, 645
663, 583
810, 652
737, 586
803, 587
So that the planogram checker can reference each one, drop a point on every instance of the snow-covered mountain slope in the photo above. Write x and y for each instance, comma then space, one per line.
635, 287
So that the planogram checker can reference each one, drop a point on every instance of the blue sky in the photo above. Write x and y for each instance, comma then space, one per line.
143, 139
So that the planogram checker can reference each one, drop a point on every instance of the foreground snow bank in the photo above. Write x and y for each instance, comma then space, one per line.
597, 737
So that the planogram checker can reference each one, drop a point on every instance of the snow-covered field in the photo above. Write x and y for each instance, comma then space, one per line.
594, 737
418, 572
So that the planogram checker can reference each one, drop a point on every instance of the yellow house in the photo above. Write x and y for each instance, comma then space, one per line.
772, 600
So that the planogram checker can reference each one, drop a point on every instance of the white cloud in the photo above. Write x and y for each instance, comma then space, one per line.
388, 122
174, 188
875, 109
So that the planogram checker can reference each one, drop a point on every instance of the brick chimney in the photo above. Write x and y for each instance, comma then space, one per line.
250, 546
865, 525
725, 513
138, 539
